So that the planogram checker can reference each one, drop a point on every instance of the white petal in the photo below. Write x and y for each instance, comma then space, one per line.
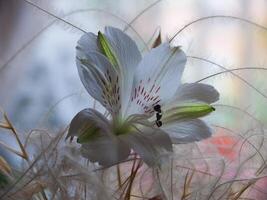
187, 131
88, 43
85, 120
196, 92
106, 150
157, 78
151, 145
128, 57
99, 78
98, 142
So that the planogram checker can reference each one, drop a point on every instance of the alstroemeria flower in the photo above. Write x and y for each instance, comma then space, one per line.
149, 107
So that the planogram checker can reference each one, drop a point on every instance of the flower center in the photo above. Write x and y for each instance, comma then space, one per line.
121, 128
146, 95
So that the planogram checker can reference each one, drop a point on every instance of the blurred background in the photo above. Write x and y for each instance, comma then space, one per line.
39, 83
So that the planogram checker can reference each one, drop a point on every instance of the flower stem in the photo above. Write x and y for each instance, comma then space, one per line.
132, 177
119, 176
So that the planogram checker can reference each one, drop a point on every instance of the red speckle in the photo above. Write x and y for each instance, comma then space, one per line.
158, 89
155, 98
142, 90
152, 88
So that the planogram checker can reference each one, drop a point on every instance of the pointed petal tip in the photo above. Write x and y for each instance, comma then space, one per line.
158, 40
198, 92
188, 131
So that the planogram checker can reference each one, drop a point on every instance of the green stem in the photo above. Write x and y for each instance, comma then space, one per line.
119, 176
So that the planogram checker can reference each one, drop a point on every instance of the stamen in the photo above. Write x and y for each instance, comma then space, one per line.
159, 123
158, 116
157, 108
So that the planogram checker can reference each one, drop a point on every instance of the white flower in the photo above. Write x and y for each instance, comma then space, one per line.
150, 109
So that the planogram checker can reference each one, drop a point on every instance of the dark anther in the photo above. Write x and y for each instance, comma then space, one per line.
159, 123
157, 108
158, 116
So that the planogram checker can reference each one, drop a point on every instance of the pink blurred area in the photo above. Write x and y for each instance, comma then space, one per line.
225, 145
222, 145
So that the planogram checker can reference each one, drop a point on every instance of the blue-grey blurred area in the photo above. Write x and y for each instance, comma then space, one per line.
42, 73
39, 83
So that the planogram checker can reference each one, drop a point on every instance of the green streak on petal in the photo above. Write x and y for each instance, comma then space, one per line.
107, 49
3, 180
88, 134
84, 61
189, 111
121, 128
